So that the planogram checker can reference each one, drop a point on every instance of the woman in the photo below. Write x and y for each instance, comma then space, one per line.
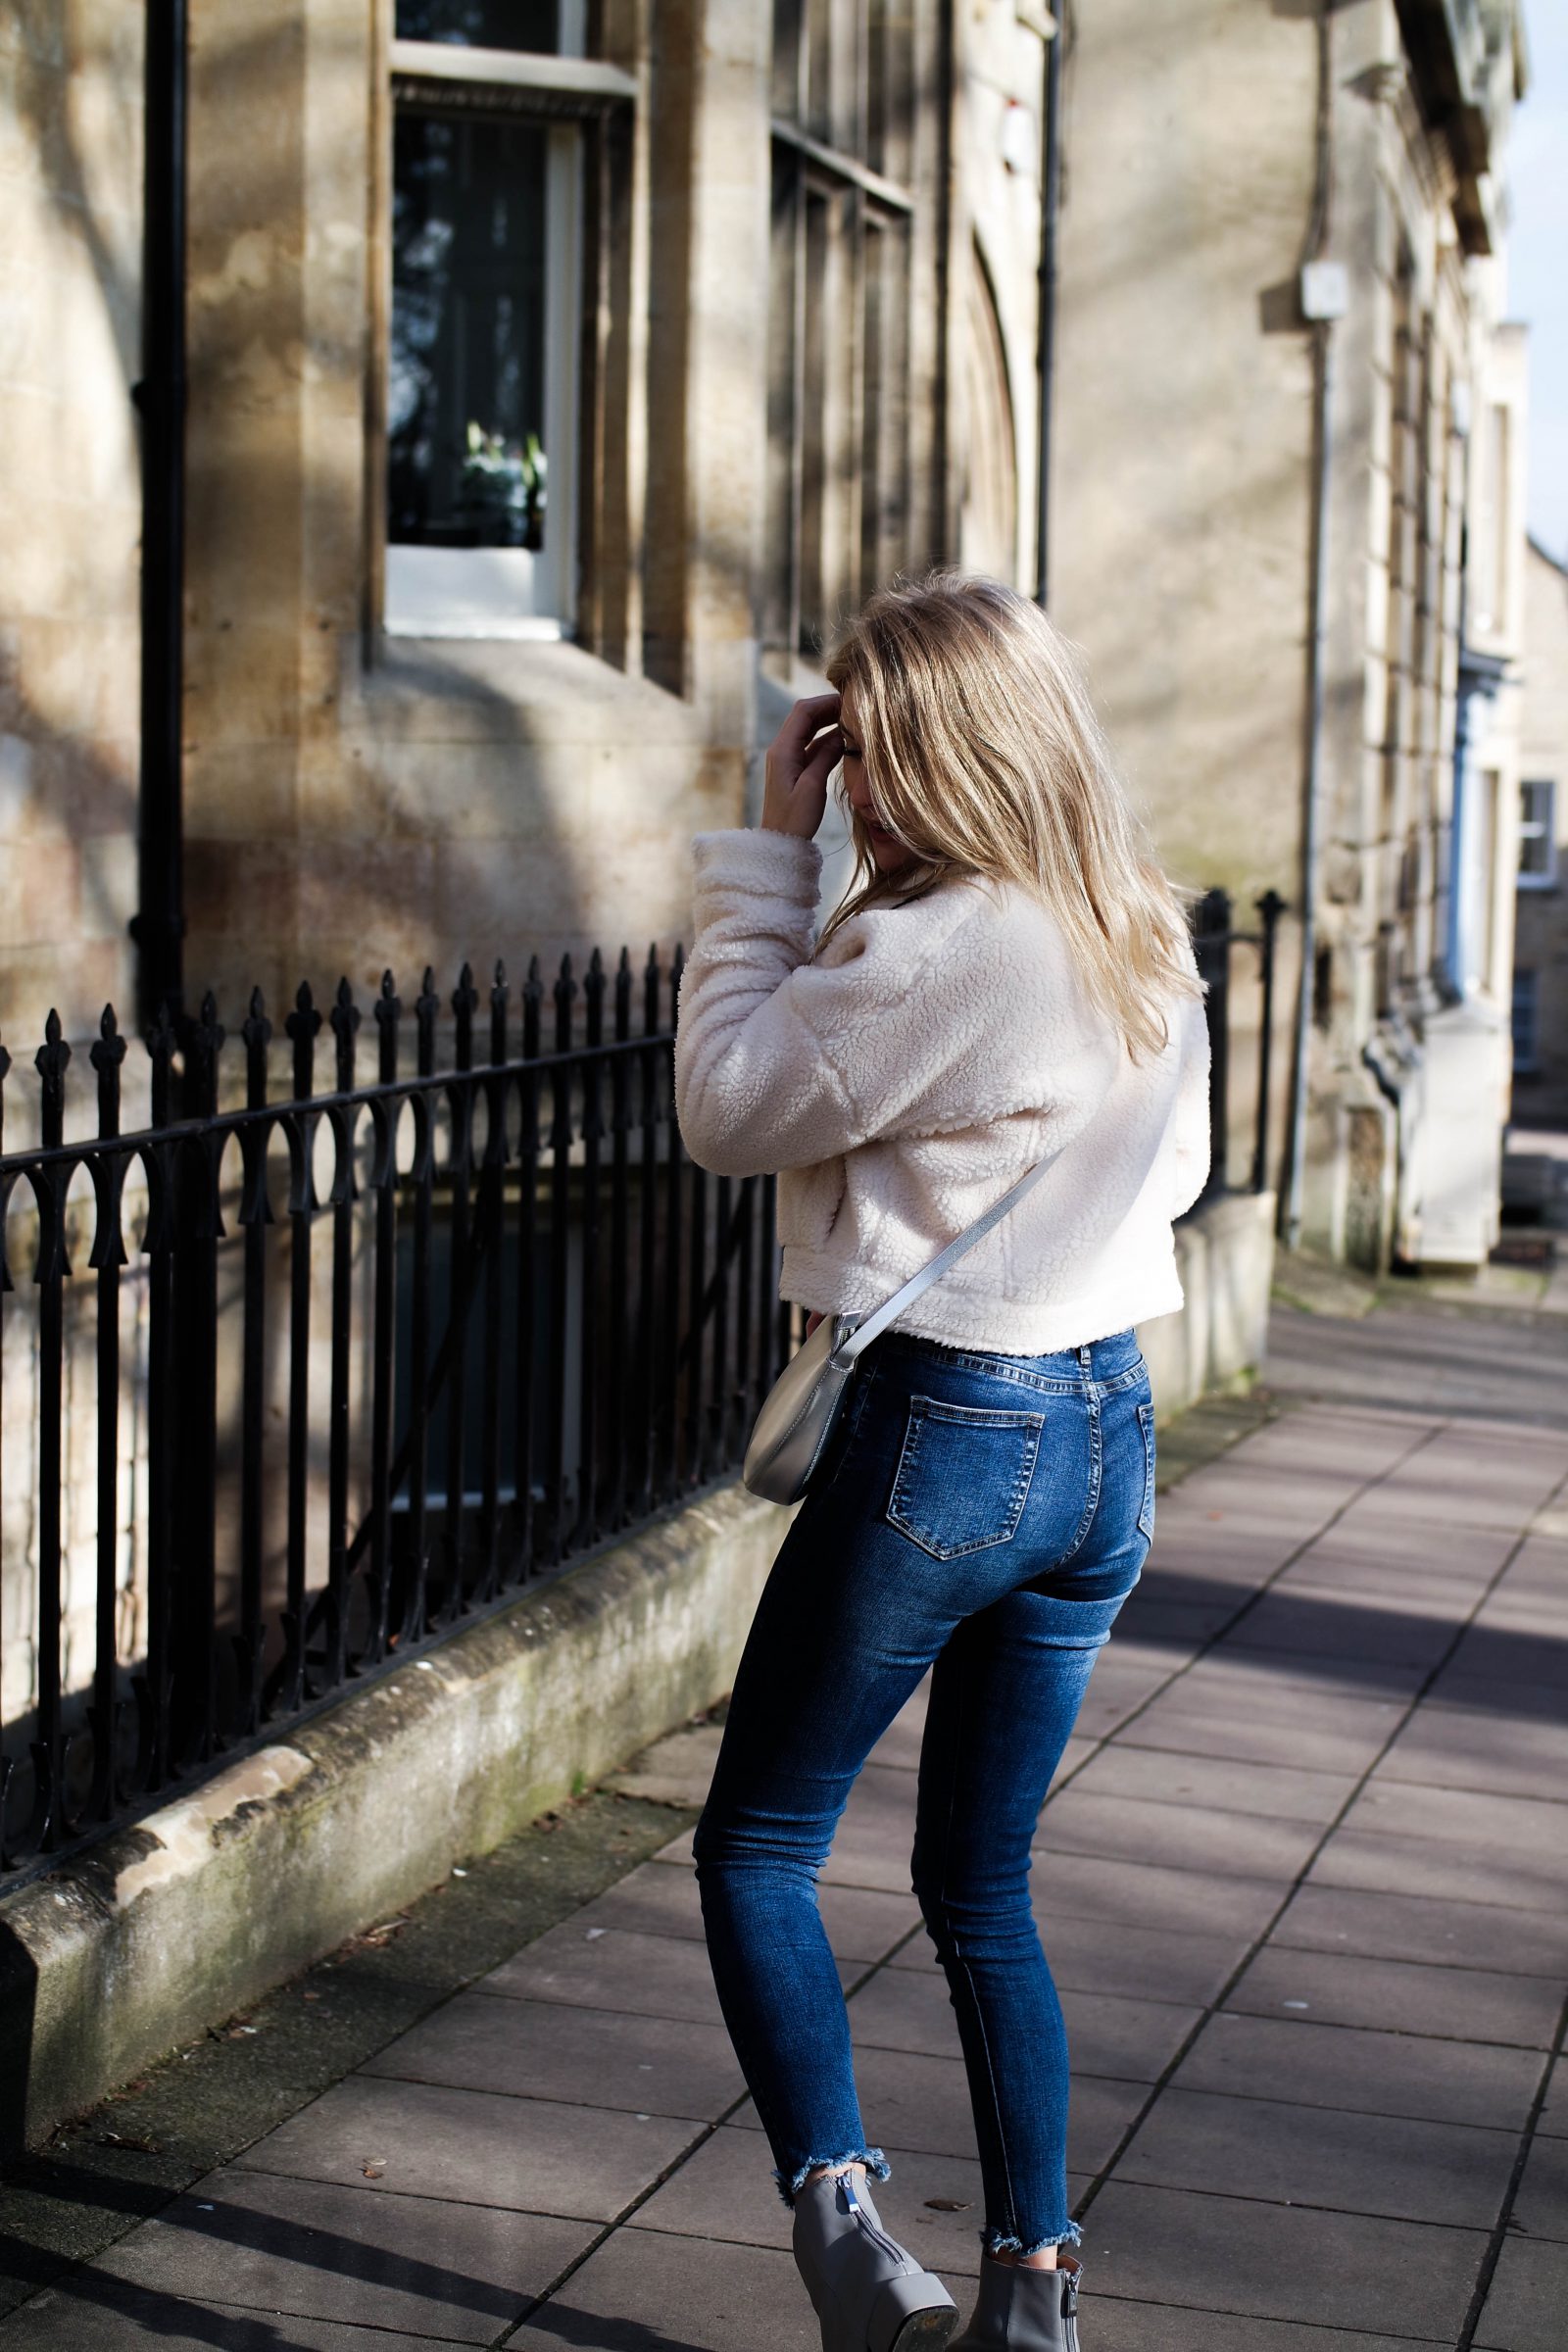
1009, 978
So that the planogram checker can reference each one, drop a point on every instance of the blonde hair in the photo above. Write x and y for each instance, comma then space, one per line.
985, 759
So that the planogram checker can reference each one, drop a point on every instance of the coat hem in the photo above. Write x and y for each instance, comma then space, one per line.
996, 1326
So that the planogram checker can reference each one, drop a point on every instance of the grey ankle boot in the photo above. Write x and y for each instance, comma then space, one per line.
1024, 2311
867, 2292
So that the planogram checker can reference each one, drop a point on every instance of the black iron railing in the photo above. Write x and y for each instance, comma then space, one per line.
363, 1362
1213, 939
309, 1378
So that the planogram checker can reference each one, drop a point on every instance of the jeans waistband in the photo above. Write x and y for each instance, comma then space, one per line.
1098, 1360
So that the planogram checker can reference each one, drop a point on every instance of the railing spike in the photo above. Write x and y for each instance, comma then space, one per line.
388, 986
258, 1006
50, 1028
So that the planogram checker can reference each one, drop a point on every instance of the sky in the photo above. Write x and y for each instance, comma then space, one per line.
1538, 264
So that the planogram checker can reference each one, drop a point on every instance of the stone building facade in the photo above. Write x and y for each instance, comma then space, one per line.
561, 370
1206, 424
1541, 949
755, 284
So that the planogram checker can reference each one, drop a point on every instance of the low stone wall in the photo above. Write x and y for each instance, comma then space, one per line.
167, 1928
1225, 1254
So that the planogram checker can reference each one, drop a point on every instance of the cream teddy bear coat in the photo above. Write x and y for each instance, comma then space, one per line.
901, 1080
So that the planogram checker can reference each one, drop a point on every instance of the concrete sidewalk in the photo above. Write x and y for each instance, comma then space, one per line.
1305, 1883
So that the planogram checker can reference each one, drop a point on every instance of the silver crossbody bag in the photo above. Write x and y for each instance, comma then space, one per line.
800, 1411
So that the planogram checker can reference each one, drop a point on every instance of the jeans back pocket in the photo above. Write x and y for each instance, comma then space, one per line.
963, 1476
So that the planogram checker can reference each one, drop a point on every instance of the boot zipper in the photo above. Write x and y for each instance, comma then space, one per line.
877, 2238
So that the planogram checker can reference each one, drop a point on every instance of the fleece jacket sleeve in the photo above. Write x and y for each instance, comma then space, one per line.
783, 1064
1192, 1106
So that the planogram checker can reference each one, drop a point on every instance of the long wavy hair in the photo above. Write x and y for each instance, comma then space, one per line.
984, 756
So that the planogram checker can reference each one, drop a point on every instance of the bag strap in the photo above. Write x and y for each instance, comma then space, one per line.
880, 1317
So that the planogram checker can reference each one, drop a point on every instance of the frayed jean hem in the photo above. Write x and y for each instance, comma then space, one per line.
790, 2184
1000, 2241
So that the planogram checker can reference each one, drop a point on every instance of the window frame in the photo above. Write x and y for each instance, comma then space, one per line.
842, 242
1542, 829
602, 101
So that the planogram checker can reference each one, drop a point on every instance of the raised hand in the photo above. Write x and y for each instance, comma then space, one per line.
799, 761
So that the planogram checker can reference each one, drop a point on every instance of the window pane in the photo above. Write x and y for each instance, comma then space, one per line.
1536, 829
481, 23
466, 397
1525, 1019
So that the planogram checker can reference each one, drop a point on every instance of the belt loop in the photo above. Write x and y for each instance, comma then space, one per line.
1086, 1360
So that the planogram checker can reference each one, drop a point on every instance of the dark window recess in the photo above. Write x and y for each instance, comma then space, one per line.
467, 392
482, 24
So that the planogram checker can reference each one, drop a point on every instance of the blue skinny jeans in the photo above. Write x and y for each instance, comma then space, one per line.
983, 1516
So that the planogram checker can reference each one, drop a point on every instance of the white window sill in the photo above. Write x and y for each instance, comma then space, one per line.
528, 628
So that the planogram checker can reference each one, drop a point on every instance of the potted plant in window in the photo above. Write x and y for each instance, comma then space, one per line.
504, 488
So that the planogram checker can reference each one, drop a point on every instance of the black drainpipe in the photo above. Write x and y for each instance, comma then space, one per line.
1050, 208
158, 928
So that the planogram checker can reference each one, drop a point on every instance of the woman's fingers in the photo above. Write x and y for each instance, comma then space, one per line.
813, 712
795, 789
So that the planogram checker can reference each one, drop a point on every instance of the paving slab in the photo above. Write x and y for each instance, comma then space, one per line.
1148, 1894
1457, 2004
1508, 1877
1397, 1567
94, 2313
1280, 1793
1341, 1736
1462, 1816
416, 2265
661, 1900
916, 2105
1364, 1630
646, 2290
899, 2009
1433, 1931
1524, 2310
1296, 2062
473, 2148
1504, 1653
1229, 1844
1307, 1486
1121, 2326
1172, 2247
1553, 2117
1179, 1621
1512, 1693
650, 1975
1541, 2206
1291, 1683
1290, 2154
1096, 1955
1214, 1553
1539, 1567
1116, 1693
545, 2050
1451, 1747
